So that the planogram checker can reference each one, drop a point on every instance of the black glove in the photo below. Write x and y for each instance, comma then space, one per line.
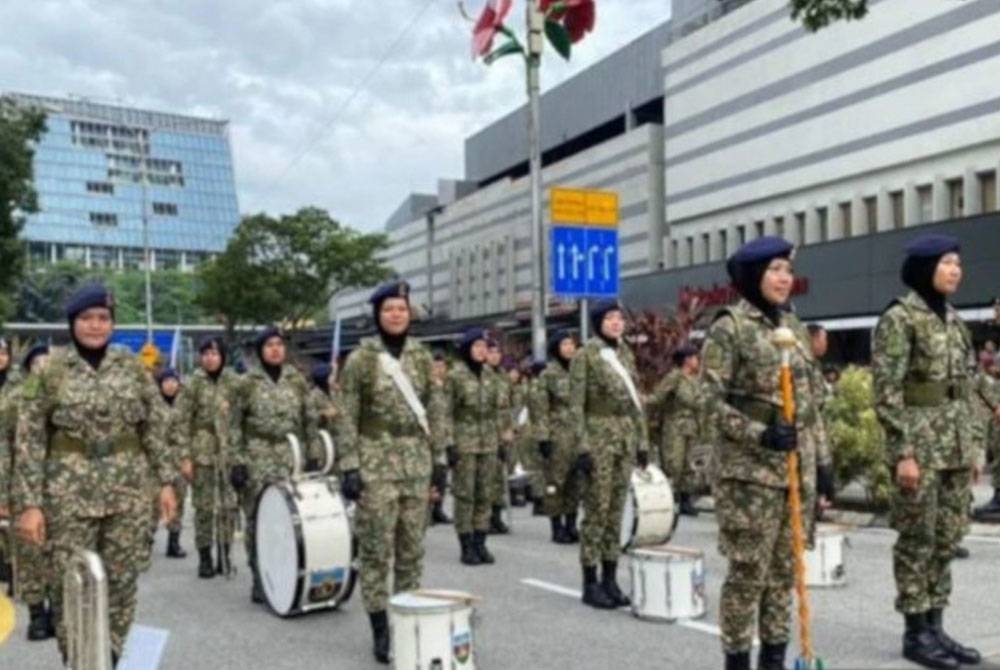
824, 482
239, 476
642, 458
545, 448
351, 485
780, 437
503, 453
439, 478
452, 452
584, 464
312, 465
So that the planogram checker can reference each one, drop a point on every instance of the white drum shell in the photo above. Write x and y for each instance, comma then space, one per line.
648, 514
668, 583
432, 633
825, 562
304, 546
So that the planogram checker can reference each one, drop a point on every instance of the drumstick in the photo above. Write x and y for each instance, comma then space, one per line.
784, 338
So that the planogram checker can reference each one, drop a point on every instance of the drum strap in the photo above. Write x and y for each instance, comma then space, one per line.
611, 358
394, 369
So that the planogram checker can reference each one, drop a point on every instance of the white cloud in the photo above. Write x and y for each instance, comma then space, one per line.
280, 71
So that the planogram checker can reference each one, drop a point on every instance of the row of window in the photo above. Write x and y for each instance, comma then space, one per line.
97, 256
797, 229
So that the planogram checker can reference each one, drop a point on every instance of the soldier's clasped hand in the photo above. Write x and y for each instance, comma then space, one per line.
780, 437
31, 526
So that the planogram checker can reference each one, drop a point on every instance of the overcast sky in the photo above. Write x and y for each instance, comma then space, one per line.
281, 73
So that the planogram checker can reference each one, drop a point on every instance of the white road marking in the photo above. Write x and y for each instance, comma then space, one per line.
699, 626
987, 539
143, 648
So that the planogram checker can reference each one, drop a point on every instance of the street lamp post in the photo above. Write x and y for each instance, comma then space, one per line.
536, 22
145, 241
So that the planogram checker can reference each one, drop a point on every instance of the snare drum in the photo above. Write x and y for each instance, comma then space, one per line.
668, 583
825, 562
648, 516
432, 630
304, 546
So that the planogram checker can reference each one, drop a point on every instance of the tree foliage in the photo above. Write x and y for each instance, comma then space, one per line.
856, 437
20, 128
656, 336
44, 290
818, 14
286, 269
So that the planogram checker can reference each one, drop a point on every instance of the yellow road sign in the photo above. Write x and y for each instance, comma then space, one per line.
582, 207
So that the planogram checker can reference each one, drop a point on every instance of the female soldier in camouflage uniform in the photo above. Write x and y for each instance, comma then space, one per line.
478, 423
922, 357
610, 433
34, 570
8, 424
170, 386
273, 401
89, 439
206, 407
552, 420
391, 453
741, 367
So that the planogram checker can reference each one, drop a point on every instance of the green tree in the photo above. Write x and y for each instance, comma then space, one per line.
20, 128
818, 14
856, 437
286, 269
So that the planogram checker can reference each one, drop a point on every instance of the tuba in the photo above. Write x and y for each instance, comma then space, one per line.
85, 613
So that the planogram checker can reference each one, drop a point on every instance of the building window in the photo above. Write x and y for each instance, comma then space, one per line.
824, 223
706, 247
675, 250
741, 235
758, 227
103, 219
871, 215
898, 213
988, 188
101, 187
779, 226
956, 198
847, 219
800, 227
925, 203
165, 208
690, 250
723, 243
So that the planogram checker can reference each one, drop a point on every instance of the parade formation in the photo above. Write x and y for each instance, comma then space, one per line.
362, 455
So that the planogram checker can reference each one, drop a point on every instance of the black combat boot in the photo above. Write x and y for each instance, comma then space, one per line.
380, 636
497, 526
962, 654
39, 623
205, 569
571, 531
921, 645
257, 592
772, 656
437, 514
687, 507
593, 593
960, 552
538, 507
738, 660
558, 530
479, 544
50, 620
222, 561
991, 510
174, 549
469, 555
609, 580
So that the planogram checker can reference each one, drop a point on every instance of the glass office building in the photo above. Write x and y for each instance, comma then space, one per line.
100, 167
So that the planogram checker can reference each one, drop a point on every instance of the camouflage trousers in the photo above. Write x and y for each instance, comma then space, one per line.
180, 492
675, 462
562, 489
473, 485
993, 451
34, 573
121, 541
390, 521
755, 536
603, 501
531, 461
931, 522
208, 486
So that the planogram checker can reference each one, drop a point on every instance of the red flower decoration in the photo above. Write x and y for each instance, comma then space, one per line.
578, 16
488, 24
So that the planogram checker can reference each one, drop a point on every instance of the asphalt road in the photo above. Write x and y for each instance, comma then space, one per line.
530, 615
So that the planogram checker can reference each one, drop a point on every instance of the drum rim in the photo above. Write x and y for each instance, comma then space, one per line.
285, 490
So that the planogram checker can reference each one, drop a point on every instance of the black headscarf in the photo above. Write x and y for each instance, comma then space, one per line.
88, 296
214, 342
272, 371
922, 257
747, 267
598, 311
321, 377
557, 338
395, 289
465, 348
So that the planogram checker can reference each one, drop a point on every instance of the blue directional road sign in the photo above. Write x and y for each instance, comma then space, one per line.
584, 262
134, 339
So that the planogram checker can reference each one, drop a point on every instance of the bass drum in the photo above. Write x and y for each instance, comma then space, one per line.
648, 517
305, 550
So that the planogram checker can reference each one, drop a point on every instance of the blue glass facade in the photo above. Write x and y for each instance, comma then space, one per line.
91, 167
